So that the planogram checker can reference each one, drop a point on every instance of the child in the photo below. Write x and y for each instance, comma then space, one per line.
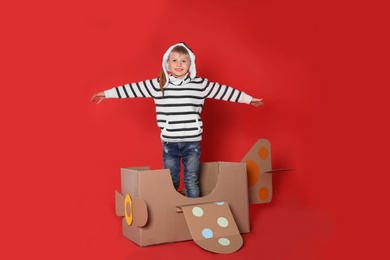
179, 98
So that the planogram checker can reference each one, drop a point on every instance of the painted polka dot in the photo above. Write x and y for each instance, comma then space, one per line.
207, 233
263, 193
263, 153
219, 203
253, 173
198, 212
224, 241
223, 222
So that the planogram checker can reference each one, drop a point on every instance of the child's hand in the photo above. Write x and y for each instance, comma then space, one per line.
99, 96
257, 102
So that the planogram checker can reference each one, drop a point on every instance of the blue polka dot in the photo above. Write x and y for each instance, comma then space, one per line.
207, 233
220, 203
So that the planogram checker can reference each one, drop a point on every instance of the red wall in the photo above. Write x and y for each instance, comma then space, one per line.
321, 67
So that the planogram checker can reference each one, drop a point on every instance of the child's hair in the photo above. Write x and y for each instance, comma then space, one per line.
178, 49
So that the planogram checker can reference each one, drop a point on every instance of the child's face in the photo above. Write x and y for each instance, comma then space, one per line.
179, 64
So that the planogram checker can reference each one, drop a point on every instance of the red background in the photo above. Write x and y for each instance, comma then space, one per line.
321, 67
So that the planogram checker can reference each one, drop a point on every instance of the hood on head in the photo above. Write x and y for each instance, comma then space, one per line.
192, 70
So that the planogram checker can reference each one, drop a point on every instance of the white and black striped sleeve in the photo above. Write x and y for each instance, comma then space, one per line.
134, 90
226, 93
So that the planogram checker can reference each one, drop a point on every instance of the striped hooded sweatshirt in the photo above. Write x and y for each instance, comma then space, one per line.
178, 110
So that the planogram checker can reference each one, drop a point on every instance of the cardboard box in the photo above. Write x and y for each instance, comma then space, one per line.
165, 220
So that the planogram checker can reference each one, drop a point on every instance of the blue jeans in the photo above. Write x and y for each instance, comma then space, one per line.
189, 153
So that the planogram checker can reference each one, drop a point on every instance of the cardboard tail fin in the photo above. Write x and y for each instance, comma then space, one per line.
212, 227
258, 164
259, 171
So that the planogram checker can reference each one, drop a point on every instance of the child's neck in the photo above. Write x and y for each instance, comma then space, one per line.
179, 77
178, 81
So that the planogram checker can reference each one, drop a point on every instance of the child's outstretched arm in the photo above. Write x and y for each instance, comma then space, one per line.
99, 96
257, 102
226, 93
143, 89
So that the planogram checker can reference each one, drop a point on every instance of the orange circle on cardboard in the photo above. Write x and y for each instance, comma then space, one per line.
253, 173
263, 153
129, 218
263, 193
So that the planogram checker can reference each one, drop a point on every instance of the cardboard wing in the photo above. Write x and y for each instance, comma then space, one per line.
212, 227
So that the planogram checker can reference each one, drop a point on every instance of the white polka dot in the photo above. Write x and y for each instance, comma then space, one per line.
224, 241
223, 222
207, 233
198, 212
220, 203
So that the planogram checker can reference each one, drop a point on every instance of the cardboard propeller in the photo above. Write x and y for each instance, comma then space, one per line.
134, 210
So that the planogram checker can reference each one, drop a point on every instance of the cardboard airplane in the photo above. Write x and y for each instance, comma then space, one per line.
155, 213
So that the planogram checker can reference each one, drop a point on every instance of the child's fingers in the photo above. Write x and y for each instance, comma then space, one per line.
257, 103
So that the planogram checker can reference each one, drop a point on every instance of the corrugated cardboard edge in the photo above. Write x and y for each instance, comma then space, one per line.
129, 185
